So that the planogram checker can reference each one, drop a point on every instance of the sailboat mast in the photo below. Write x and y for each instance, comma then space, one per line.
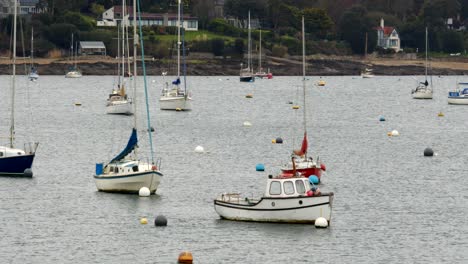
260, 52
13, 80
32, 47
249, 46
76, 54
178, 38
123, 40
365, 48
135, 47
426, 56
71, 50
304, 75
118, 55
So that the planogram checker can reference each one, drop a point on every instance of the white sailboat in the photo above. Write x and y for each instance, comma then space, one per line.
246, 74
118, 101
15, 161
128, 173
33, 74
261, 73
424, 89
367, 72
73, 71
174, 97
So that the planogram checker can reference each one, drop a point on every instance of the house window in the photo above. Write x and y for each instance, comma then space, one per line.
288, 187
275, 188
191, 24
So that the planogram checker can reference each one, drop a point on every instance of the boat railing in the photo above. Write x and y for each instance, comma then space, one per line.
30, 148
158, 163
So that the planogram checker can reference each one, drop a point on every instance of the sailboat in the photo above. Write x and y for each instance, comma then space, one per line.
301, 162
246, 74
424, 89
118, 101
367, 72
73, 71
127, 173
176, 98
261, 73
15, 161
33, 74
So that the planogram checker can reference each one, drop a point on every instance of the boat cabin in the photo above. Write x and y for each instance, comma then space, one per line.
9, 152
121, 167
287, 187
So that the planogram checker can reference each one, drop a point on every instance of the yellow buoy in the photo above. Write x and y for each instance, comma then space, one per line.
295, 107
185, 257
77, 104
249, 96
143, 221
321, 83
273, 141
440, 114
389, 134
178, 109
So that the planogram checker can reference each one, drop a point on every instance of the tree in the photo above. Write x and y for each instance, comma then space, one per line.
97, 9
60, 34
452, 42
317, 22
353, 27
217, 46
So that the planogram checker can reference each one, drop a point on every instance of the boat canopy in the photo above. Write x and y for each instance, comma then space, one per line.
176, 82
465, 91
462, 83
131, 145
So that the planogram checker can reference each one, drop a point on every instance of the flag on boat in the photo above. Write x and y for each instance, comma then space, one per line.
304, 146
176, 82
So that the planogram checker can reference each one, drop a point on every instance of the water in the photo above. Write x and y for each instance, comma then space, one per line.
392, 205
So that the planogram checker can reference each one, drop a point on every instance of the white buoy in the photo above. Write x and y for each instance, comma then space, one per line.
199, 149
247, 123
395, 133
321, 222
144, 192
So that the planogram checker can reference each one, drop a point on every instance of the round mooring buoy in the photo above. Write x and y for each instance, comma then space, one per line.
279, 140
260, 167
440, 114
314, 179
381, 118
199, 149
395, 133
143, 221
247, 124
185, 257
321, 222
144, 192
295, 107
249, 96
428, 152
160, 220
28, 173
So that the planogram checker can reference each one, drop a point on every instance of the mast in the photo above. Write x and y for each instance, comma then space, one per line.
118, 55
32, 47
249, 47
123, 40
71, 50
260, 53
178, 39
135, 46
76, 55
426, 58
13, 80
303, 75
365, 49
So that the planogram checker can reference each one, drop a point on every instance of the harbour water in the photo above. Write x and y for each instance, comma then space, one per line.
392, 204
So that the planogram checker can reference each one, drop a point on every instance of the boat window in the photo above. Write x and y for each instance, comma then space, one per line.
288, 187
300, 188
111, 169
135, 168
275, 188
1, 154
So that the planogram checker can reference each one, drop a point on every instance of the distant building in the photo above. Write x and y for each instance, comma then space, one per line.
92, 48
387, 37
25, 7
219, 8
6, 7
113, 15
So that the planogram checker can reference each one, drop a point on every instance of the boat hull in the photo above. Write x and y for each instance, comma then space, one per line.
247, 78
73, 74
304, 209
16, 165
128, 183
119, 108
175, 103
422, 94
33, 76
458, 100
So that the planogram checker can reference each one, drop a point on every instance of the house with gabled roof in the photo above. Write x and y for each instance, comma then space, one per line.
387, 37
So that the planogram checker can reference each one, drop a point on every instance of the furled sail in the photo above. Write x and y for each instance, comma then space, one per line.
303, 150
131, 145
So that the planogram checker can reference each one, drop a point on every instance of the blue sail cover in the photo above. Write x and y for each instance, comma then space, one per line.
176, 82
132, 143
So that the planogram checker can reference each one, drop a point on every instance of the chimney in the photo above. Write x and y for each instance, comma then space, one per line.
382, 23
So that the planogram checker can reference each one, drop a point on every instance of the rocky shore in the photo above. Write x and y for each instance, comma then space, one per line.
319, 66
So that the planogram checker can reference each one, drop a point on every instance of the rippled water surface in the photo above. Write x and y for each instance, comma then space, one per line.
392, 205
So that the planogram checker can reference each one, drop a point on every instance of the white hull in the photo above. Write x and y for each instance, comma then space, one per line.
458, 100
128, 183
175, 103
33, 76
302, 209
367, 75
424, 94
73, 74
120, 107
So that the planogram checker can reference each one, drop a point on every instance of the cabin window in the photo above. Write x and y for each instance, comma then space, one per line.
135, 168
288, 187
111, 169
1, 154
275, 188
300, 188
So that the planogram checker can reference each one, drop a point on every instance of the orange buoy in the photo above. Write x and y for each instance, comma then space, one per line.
185, 257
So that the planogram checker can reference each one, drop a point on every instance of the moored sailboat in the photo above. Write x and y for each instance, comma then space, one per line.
73, 71
246, 74
33, 74
15, 161
302, 163
424, 89
128, 173
261, 73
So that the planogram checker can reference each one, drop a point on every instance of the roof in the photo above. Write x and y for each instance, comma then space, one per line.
28, 2
155, 16
386, 30
92, 45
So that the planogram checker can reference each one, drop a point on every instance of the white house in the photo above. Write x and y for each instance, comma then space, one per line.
31, 7
387, 37
113, 15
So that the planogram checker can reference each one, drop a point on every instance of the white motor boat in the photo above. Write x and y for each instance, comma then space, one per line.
286, 199
73, 74
459, 96
367, 73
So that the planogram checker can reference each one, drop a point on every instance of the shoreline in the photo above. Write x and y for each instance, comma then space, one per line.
318, 65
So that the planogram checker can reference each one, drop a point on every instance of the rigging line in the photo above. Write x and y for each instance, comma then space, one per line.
144, 80
183, 53
22, 46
